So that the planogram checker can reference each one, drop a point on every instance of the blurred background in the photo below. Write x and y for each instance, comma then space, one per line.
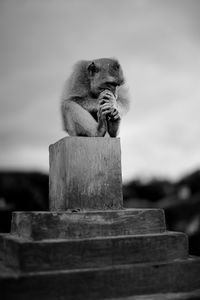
158, 45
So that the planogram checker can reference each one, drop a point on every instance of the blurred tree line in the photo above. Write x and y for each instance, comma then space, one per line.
22, 191
26, 191
180, 201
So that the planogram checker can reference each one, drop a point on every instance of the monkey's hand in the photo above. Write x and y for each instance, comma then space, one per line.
108, 105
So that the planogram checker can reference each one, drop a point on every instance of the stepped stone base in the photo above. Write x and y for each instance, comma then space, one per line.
106, 282
54, 225
94, 255
140, 257
26, 255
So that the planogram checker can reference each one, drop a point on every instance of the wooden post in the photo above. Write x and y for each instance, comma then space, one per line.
85, 173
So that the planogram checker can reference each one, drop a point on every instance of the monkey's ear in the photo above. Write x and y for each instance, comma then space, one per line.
92, 68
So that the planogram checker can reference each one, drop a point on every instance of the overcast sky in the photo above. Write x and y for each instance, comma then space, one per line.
158, 45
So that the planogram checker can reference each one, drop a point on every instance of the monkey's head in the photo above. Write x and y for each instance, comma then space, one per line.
104, 74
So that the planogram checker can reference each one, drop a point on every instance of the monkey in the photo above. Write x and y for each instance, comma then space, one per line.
94, 98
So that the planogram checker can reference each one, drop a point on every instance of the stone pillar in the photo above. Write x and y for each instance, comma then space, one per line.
85, 173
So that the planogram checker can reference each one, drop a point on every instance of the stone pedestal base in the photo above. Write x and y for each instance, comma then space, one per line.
88, 246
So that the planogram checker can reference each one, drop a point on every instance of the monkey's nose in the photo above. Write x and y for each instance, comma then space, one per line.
111, 86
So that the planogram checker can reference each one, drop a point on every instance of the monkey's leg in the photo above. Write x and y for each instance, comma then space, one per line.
112, 116
113, 127
79, 122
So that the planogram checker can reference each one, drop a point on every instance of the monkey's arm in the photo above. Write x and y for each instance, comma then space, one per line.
79, 122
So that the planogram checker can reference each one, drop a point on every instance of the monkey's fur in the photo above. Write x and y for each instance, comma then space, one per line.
94, 98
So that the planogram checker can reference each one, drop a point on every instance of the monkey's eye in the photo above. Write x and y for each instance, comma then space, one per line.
116, 66
92, 68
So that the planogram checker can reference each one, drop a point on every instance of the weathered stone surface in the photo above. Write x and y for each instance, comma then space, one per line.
100, 283
2, 241
93, 253
99, 251
85, 173
52, 225
167, 296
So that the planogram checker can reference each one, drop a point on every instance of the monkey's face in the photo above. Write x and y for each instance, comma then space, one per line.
105, 74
